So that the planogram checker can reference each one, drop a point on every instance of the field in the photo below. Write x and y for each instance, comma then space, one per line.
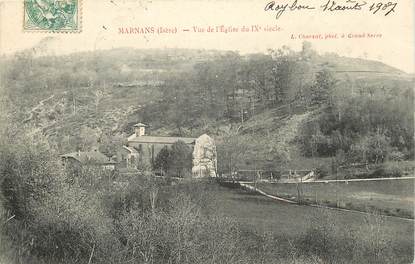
287, 220
268, 215
292, 221
393, 197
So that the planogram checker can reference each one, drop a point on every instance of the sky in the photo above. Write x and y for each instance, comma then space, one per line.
392, 40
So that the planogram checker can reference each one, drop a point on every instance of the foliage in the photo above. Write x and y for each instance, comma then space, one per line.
60, 217
27, 172
97, 95
162, 161
396, 155
385, 171
181, 159
366, 128
330, 244
321, 90
176, 161
110, 145
179, 236
231, 152
321, 171
373, 148
74, 222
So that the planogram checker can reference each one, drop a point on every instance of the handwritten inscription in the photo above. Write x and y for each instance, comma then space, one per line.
332, 6
349, 5
281, 8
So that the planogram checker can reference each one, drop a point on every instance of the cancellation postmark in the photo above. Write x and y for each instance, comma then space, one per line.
52, 16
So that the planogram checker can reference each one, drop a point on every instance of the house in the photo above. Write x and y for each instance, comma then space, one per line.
147, 147
128, 157
89, 158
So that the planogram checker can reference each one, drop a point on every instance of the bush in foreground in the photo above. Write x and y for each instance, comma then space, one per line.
146, 221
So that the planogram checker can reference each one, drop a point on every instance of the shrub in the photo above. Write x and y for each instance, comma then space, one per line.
386, 171
65, 221
180, 235
329, 243
396, 156
55, 219
174, 161
373, 148
163, 160
321, 171
6, 251
66, 226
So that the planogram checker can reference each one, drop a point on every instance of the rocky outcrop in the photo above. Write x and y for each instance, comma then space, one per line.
204, 157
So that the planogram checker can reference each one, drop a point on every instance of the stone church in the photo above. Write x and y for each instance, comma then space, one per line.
143, 149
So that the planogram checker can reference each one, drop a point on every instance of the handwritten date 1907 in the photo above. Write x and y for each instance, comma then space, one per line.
387, 8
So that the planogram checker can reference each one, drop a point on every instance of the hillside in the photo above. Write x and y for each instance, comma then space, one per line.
262, 100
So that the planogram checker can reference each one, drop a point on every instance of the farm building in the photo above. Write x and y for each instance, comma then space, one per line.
128, 157
89, 158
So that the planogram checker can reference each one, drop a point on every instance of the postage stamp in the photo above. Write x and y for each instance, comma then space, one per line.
52, 16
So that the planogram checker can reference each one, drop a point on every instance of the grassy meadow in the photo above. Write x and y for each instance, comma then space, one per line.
393, 197
266, 214
288, 221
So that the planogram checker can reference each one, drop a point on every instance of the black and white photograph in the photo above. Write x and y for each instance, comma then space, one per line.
206, 132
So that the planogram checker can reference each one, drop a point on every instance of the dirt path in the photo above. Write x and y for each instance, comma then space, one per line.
38, 106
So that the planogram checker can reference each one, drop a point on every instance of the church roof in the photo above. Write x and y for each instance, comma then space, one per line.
160, 140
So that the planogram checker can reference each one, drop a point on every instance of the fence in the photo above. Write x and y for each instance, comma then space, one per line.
266, 175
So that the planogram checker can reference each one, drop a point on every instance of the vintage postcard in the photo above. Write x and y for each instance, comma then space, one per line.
190, 131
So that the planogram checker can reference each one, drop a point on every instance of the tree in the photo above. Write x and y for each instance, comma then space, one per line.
111, 144
88, 138
372, 148
175, 161
283, 71
231, 152
322, 89
28, 167
292, 73
162, 161
180, 158
307, 51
